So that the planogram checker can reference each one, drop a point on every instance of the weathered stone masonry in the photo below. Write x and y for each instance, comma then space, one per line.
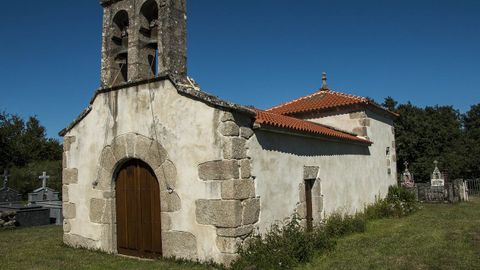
168, 35
235, 214
70, 177
102, 208
363, 130
363, 123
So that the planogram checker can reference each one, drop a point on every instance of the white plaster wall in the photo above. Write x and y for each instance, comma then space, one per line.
340, 121
184, 127
351, 175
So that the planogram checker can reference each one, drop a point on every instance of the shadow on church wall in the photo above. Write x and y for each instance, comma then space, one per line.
310, 147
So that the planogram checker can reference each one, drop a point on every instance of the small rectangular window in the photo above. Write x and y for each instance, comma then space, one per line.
387, 152
309, 201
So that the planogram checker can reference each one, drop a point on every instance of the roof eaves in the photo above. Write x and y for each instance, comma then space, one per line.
75, 122
300, 126
312, 135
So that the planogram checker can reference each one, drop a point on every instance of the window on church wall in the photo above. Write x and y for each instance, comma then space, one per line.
148, 52
119, 47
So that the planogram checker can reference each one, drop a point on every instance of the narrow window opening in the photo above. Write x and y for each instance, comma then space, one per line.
308, 200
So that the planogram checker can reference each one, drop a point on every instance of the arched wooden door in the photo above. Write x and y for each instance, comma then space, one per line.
138, 211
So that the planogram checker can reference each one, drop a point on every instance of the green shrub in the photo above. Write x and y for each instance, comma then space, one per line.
398, 203
321, 240
338, 225
284, 247
280, 248
290, 245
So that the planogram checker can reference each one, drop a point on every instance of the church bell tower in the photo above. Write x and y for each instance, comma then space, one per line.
143, 39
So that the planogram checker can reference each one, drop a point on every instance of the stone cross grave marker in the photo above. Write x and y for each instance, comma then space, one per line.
47, 198
44, 177
407, 177
43, 193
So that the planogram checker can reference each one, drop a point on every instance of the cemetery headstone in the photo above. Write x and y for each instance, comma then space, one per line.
48, 198
407, 177
437, 179
7, 194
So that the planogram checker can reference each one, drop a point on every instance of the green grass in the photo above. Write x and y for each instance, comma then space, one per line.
42, 248
439, 236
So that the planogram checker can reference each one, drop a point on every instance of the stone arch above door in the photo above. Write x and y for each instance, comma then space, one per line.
135, 146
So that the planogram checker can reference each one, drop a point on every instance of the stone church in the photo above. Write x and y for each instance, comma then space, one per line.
157, 167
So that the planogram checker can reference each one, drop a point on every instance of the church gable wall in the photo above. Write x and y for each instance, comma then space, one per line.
197, 152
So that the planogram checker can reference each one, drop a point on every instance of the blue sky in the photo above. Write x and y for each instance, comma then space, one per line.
254, 52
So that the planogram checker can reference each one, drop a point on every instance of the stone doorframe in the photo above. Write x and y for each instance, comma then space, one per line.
102, 207
310, 173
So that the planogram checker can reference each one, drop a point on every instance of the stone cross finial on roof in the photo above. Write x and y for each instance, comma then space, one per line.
406, 165
324, 81
44, 177
5, 179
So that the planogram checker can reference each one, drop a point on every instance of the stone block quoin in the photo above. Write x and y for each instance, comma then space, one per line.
238, 210
363, 123
69, 177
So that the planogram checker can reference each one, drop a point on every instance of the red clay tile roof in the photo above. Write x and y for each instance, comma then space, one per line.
286, 122
321, 100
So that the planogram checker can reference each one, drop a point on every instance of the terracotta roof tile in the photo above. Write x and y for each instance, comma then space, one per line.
320, 100
286, 122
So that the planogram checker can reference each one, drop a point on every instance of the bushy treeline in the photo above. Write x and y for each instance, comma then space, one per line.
26, 152
437, 133
288, 245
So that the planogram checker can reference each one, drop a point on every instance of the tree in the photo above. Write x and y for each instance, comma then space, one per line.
26, 152
21, 143
427, 134
390, 104
472, 141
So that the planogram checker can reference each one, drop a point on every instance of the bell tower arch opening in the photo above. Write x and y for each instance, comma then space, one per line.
148, 38
143, 39
119, 47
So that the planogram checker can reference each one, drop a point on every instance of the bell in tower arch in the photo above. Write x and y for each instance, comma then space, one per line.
142, 40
